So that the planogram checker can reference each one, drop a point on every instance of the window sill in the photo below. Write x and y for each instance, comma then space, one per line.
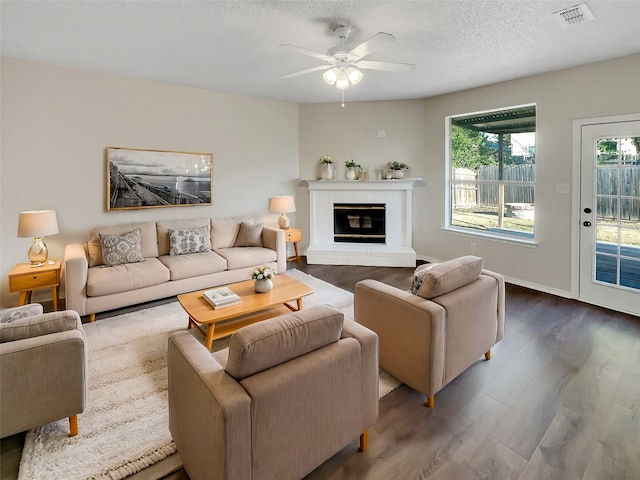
510, 239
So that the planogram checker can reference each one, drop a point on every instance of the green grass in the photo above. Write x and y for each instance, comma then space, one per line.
486, 218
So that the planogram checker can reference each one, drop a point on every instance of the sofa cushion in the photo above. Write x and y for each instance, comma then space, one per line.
249, 235
449, 275
38, 325
122, 278
193, 240
243, 257
224, 231
193, 264
162, 231
121, 249
266, 344
148, 240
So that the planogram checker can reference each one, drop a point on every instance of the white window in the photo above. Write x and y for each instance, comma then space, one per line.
491, 172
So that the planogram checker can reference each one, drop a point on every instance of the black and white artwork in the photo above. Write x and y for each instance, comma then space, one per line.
157, 178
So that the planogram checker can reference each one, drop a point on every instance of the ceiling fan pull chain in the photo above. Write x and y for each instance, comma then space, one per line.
342, 91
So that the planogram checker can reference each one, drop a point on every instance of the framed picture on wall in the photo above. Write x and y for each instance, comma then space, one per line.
157, 178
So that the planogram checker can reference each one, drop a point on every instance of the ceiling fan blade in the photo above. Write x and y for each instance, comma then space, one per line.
387, 66
308, 70
304, 51
379, 40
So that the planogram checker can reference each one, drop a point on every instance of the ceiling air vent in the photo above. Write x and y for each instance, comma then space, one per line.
574, 15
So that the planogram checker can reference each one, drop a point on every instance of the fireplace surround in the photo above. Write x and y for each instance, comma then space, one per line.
395, 249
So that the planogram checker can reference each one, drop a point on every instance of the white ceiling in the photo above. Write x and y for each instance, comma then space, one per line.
232, 46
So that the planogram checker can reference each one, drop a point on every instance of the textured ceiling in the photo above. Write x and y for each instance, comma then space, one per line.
232, 46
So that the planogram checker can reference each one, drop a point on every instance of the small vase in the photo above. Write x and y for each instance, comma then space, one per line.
263, 285
350, 174
326, 171
398, 174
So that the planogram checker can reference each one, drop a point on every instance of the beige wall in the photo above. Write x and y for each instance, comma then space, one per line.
415, 134
57, 122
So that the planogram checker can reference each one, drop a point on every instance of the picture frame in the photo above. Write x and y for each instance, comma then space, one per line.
138, 178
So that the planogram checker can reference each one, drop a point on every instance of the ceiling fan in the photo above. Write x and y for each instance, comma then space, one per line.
343, 66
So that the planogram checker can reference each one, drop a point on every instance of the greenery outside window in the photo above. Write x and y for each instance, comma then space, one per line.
491, 172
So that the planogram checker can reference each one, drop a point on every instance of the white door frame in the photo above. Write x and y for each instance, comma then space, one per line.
575, 194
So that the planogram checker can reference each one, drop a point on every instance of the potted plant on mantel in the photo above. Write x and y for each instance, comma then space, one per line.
397, 169
326, 167
351, 173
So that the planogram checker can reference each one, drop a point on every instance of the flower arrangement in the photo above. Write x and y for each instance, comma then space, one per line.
261, 272
352, 164
324, 159
397, 166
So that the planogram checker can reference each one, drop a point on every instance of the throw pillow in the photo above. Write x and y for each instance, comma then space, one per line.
15, 313
39, 325
418, 277
193, 240
118, 250
250, 235
450, 275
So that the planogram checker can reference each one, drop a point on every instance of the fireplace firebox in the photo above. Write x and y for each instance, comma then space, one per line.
359, 222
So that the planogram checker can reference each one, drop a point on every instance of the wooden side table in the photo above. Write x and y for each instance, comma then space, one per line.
24, 279
293, 235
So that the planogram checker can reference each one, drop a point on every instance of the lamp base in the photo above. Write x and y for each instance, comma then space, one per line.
283, 221
38, 253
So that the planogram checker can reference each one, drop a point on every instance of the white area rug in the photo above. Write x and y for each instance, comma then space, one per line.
125, 427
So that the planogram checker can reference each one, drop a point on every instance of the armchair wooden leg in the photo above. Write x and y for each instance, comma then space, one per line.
487, 355
73, 425
92, 317
364, 441
431, 401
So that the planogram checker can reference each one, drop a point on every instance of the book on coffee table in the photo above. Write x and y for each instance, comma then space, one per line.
221, 297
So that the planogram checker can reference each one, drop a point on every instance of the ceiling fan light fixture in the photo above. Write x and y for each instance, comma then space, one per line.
330, 76
342, 82
354, 75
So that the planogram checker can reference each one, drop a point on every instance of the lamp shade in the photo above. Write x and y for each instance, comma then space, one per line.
282, 204
37, 223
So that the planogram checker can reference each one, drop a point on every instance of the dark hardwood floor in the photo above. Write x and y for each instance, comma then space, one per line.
559, 399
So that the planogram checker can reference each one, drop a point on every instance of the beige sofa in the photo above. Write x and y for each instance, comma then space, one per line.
43, 366
454, 316
286, 395
233, 247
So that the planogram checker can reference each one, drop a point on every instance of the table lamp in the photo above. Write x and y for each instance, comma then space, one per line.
283, 204
37, 224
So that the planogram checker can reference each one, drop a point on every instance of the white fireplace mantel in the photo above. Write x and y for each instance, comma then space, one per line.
395, 194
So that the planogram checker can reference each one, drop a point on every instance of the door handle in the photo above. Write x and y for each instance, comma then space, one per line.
586, 224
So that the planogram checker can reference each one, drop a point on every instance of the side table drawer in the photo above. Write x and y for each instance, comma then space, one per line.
293, 236
29, 282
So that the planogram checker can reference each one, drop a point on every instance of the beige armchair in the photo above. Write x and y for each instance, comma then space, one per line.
452, 315
42, 367
286, 395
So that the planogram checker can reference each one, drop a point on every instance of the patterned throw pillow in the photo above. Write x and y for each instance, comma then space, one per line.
118, 250
194, 240
418, 277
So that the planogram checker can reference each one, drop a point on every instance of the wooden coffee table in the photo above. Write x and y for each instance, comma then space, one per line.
255, 307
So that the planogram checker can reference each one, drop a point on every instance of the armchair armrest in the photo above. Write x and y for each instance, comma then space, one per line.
76, 265
368, 340
209, 412
501, 302
55, 366
410, 325
273, 238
